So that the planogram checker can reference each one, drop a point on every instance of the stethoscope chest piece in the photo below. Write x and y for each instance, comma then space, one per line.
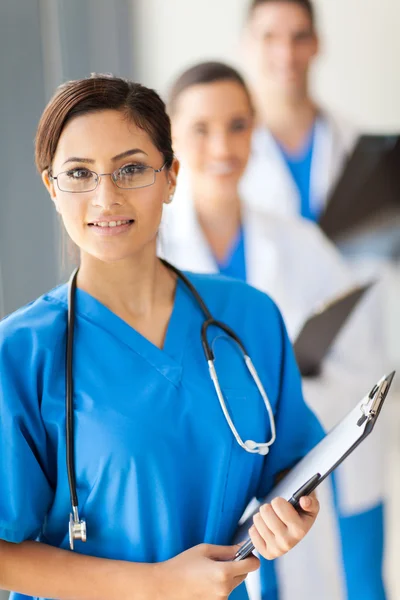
77, 528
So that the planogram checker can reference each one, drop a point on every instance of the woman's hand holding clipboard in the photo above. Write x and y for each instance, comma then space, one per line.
326, 456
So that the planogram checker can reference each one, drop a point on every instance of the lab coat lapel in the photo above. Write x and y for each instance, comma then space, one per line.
327, 160
184, 242
267, 183
332, 145
262, 256
269, 242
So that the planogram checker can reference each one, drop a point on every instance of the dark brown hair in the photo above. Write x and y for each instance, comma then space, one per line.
102, 92
206, 72
306, 4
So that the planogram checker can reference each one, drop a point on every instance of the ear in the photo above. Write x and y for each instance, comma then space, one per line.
172, 179
50, 186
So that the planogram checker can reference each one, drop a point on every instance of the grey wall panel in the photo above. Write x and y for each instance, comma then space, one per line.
27, 254
42, 43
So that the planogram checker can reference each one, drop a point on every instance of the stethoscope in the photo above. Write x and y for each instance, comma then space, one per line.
77, 527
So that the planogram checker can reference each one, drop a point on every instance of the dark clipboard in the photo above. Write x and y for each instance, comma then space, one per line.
321, 329
324, 458
366, 197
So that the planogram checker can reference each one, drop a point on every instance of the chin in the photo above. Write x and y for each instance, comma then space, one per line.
111, 255
224, 182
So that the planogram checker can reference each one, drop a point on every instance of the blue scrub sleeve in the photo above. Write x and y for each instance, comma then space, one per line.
25, 492
297, 428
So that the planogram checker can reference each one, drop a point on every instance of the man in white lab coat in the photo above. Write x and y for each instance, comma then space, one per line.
298, 148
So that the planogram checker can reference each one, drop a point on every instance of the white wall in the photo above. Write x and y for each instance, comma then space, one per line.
357, 72
172, 34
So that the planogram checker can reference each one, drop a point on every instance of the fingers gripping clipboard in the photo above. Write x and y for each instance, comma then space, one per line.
324, 458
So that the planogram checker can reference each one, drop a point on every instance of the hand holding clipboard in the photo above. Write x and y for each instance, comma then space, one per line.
326, 456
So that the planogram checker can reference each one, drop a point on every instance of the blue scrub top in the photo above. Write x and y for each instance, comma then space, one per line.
299, 165
158, 469
234, 263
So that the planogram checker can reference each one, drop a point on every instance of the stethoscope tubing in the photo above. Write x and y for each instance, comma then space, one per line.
249, 445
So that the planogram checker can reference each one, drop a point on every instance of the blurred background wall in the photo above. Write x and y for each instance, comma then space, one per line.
356, 74
42, 43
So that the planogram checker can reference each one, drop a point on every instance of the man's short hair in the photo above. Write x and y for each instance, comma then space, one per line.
306, 4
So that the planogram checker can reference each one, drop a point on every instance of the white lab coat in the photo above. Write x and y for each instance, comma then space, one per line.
268, 184
296, 265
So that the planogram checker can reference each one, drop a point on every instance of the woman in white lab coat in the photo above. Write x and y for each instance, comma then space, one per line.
209, 228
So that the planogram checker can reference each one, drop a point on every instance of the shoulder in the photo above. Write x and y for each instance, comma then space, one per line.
261, 139
303, 252
347, 131
35, 325
291, 230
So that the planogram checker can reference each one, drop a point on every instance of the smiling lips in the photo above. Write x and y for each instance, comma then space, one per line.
109, 223
111, 226
222, 168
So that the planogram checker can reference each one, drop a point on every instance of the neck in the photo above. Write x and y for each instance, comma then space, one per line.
271, 101
135, 285
219, 219
218, 212
289, 117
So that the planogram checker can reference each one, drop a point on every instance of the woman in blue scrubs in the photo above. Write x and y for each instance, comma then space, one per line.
161, 480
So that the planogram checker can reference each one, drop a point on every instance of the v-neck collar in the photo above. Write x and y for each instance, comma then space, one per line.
168, 360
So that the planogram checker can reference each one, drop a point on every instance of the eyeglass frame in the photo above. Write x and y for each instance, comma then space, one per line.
100, 175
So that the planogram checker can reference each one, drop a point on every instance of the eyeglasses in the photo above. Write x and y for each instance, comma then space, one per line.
80, 180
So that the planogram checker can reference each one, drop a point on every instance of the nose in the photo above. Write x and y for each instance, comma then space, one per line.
220, 145
107, 194
285, 52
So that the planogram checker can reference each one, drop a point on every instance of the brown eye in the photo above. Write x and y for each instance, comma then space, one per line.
79, 174
200, 129
132, 169
239, 125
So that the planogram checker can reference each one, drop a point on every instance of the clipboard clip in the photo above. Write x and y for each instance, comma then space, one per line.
370, 407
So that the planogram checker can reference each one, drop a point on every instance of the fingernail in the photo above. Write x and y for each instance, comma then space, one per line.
306, 502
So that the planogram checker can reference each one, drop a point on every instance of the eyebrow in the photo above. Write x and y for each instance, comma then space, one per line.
130, 152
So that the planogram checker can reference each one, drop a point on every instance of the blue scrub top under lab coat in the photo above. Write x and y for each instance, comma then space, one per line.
158, 469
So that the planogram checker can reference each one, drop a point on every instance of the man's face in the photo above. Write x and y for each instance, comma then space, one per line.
281, 43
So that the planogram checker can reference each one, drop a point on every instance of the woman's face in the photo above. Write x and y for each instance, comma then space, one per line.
212, 128
109, 223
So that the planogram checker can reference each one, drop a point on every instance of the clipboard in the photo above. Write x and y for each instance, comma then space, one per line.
366, 198
320, 330
326, 456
